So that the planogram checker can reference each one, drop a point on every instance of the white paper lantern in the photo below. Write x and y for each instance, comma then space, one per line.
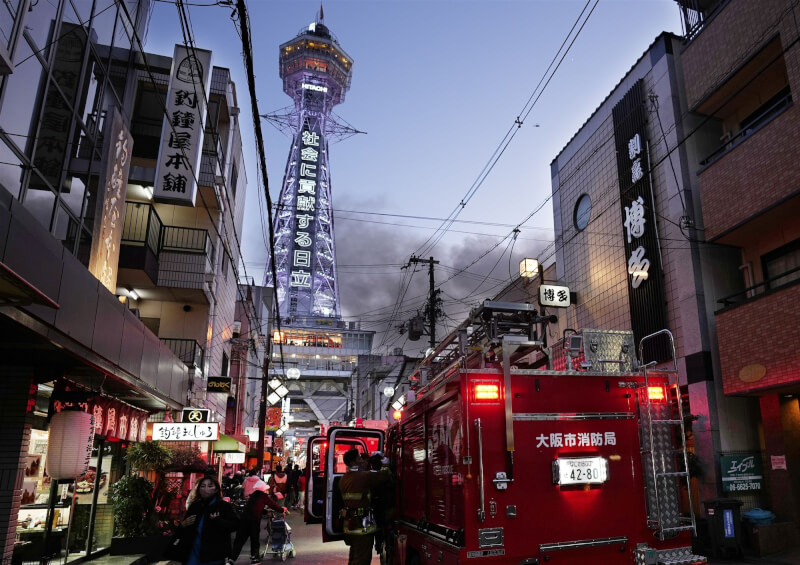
70, 446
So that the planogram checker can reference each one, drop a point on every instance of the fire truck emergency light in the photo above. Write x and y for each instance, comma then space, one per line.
655, 393
484, 391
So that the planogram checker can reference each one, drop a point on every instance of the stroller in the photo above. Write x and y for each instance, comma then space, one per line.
279, 540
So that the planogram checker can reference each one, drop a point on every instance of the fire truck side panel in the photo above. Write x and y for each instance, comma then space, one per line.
412, 469
589, 419
445, 482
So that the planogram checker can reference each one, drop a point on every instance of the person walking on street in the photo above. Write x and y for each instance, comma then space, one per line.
301, 490
279, 482
250, 482
359, 523
250, 524
207, 526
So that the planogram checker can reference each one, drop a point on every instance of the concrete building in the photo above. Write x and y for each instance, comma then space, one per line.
96, 309
741, 68
629, 244
376, 375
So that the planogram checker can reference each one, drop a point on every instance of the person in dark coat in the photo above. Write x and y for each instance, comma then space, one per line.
356, 486
208, 524
250, 525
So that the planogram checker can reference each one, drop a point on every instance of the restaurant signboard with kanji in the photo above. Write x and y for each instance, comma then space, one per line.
182, 431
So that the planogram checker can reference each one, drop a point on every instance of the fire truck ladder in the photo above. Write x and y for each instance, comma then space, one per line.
660, 423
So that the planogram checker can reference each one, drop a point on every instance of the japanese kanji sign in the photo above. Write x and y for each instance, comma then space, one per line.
171, 431
551, 295
640, 236
306, 207
182, 132
110, 207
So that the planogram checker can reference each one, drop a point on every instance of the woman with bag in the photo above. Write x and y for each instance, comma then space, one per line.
205, 534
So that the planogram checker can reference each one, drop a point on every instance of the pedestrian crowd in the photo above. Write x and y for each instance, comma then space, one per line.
217, 512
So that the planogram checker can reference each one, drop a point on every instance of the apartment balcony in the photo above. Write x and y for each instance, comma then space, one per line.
758, 336
751, 171
171, 263
188, 351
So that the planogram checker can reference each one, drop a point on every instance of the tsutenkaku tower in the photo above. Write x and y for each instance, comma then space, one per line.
316, 73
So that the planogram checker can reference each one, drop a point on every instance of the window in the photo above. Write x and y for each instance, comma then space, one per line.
785, 259
234, 179
224, 370
583, 211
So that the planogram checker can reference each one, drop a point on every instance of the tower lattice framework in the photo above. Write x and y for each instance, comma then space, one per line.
316, 74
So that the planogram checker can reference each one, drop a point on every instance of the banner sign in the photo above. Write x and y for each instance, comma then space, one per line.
182, 131
640, 236
252, 433
170, 431
219, 384
741, 472
110, 207
273, 421
552, 295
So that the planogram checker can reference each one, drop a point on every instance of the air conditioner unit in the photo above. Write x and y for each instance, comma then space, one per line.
237, 329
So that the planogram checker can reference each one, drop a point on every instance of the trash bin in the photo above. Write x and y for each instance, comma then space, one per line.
725, 525
759, 517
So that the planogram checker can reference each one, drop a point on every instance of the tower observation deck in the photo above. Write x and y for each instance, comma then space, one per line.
316, 73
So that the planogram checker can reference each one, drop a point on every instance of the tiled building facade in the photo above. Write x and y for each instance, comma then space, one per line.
591, 213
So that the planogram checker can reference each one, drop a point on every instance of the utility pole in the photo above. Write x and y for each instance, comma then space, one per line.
262, 410
432, 300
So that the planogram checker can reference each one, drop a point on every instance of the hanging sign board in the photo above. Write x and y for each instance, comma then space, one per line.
182, 130
555, 296
219, 384
195, 415
170, 431
252, 433
233, 458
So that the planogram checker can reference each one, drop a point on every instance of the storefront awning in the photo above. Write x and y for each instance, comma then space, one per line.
228, 444
16, 291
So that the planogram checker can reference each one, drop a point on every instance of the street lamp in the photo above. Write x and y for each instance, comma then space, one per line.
528, 268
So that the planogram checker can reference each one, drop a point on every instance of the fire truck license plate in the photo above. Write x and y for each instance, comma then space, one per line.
580, 470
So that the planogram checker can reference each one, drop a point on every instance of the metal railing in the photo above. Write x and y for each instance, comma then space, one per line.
187, 350
143, 226
695, 14
761, 289
749, 128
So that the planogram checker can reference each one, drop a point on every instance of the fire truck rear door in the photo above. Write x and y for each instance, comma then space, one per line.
341, 440
315, 483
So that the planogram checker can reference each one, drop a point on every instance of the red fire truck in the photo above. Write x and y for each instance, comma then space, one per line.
516, 453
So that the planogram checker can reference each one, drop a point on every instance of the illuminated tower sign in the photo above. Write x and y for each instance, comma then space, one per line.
316, 73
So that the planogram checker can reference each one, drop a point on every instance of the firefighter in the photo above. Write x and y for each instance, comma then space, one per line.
382, 500
359, 522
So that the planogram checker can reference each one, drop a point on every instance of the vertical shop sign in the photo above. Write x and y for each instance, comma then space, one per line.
640, 236
109, 215
182, 132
